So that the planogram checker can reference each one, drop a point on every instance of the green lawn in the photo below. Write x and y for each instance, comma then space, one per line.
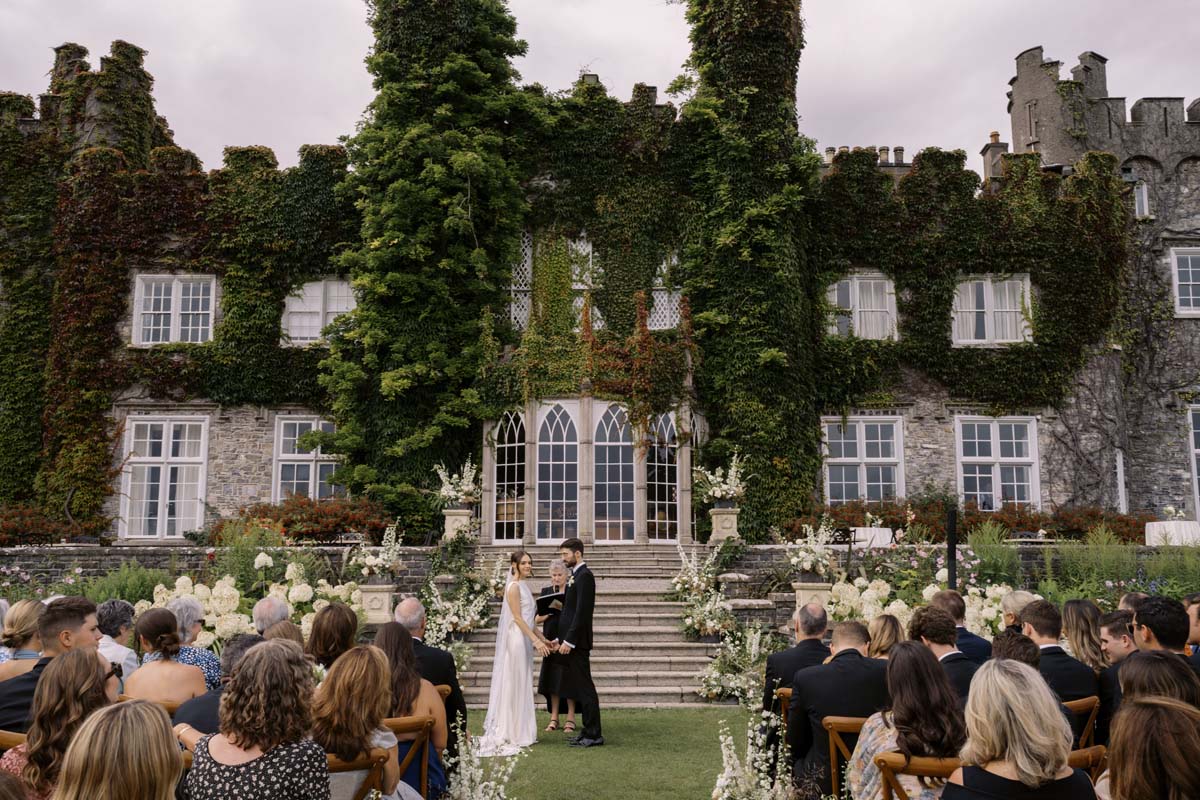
648, 755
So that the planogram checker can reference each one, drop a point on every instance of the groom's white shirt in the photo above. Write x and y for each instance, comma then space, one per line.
574, 569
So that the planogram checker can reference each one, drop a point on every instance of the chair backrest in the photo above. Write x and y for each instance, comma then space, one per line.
422, 729
1090, 759
10, 739
785, 700
1088, 708
836, 726
372, 762
892, 765
443, 690
167, 705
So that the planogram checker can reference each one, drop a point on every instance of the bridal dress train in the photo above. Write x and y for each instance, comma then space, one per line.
511, 724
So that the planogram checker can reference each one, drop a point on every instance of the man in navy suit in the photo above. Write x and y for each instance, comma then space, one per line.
934, 628
976, 648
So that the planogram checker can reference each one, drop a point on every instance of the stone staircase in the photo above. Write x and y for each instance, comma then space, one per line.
640, 658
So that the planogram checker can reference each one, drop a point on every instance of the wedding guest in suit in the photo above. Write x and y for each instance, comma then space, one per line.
161, 678
1131, 600
850, 685
115, 619
1157, 673
1116, 642
553, 683
268, 611
437, 667
21, 638
204, 712
886, 631
809, 623
286, 629
1011, 605
935, 628
1160, 623
1081, 624
334, 629
974, 647
1070, 678
925, 719
575, 625
124, 752
66, 624
1017, 740
1155, 753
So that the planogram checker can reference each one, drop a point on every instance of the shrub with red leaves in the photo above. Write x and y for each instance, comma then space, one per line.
27, 525
307, 520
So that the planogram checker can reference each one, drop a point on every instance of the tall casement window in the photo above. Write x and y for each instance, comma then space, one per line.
299, 471
1141, 199
173, 308
164, 480
521, 287
614, 477
558, 476
990, 311
1194, 415
863, 305
662, 480
663, 314
313, 307
997, 461
1185, 272
864, 459
510, 477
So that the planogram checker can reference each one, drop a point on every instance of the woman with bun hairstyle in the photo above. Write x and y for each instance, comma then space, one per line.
163, 679
21, 638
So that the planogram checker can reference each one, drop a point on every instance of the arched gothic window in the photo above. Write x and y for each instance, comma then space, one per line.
558, 477
510, 477
614, 477
662, 480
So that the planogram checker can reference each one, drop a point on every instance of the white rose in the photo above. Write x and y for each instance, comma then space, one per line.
300, 593
263, 561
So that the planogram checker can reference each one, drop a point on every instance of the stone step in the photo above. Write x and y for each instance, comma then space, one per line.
631, 617
614, 696
658, 662
618, 635
649, 678
617, 646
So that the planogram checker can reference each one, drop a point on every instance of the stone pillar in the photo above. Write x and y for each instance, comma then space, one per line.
487, 494
812, 592
377, 602
458, 522
724, 524
640, 494
531, 438
587, 457
684, 475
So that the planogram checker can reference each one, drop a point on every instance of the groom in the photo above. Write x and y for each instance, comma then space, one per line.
575, 624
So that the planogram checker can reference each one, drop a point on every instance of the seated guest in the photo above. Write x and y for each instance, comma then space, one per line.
21, 638
809, 623
1157, 673
1011, 605
1070, 678
850, 685
334, 630
67, 624
974, 647
161, 678
348, 712
285, 630
437, 667
11, 787
885, 631
1116, 642
1131, 600
1155, 753
925, 719
115, 620
263, 750
268, 611
1193, 612
413, 696
122, 752
190, 616
1017, 740
72, 687
203, 712
1017, 646
1081, 626
934, 628
1160, 623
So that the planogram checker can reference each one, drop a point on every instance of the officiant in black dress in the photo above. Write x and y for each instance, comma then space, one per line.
553, 680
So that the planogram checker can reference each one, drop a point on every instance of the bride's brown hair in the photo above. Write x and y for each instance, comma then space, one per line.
514, 561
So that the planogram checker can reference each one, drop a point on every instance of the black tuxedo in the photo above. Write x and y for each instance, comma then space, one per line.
976, 648
575, 627
1070, 679
437, 667
782, 666
1110, 701
960, 669
16, 698
203, 713
848, 686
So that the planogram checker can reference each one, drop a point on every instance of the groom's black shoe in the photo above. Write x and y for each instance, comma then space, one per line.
585, 742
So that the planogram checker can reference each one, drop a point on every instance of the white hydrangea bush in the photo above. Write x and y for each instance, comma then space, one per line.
864, 600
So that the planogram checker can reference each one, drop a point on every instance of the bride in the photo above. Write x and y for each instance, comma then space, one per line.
510, 724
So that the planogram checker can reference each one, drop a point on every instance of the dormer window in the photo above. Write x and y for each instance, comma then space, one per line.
173, 308
864, 305
990, 310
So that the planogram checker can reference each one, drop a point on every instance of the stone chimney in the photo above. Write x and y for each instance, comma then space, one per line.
993, 163
898, 154
885, 155
1092, 73
830, 152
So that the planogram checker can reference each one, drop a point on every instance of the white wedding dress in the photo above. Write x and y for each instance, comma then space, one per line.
511, 723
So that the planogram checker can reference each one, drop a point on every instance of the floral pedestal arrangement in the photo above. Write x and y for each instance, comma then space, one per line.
377, 602
458, 522
724, 524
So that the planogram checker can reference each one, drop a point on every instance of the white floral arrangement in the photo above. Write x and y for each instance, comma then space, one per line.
738, 669
386, 560
864, 600
1174, 514
812, 551
720, 484
458, 488
473, 777
468, 610
696, 576
708, 615
751, 777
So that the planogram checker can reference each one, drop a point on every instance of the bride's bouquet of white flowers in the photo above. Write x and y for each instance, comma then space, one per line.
750, 777
472, 777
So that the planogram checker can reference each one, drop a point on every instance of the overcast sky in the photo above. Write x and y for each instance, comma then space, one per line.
913, 73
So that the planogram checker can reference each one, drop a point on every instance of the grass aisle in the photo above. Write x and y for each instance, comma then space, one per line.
648, 755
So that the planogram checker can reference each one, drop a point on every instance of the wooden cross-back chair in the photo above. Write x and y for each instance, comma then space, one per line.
10, 739
1090, 759
167, 705
372, 762
892, 765
785, 700
1088, 707
836, 726
443, 690
422, 729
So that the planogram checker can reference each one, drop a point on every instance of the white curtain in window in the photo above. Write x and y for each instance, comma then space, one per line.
874, 321
839, 297
1007, 315
970, 316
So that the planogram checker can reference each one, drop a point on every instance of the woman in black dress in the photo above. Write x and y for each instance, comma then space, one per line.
553, 681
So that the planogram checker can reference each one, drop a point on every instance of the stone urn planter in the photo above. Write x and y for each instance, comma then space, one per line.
724, 523
457, 521
812, 589
377, 601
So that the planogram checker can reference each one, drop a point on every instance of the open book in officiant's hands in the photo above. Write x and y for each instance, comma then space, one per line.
550, 604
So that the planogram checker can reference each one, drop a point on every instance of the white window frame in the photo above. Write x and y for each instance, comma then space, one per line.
1141, 200
1180, 310
856, 310
326, 283
996, 460
1194, 450
176, 301
861, 460
510, 421
572, 408
989, 307
662, 530
314, 457
165, 461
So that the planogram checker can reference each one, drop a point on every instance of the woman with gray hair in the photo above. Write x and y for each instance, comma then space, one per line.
190, 616
114, 618
553, 682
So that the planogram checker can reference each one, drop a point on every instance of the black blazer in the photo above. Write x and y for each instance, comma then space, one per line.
782, 666
550, 626
976, 648
437, 667
960, 669
1110, 701
203, 713
575, 622
16, 698
850, 685
1070, 679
